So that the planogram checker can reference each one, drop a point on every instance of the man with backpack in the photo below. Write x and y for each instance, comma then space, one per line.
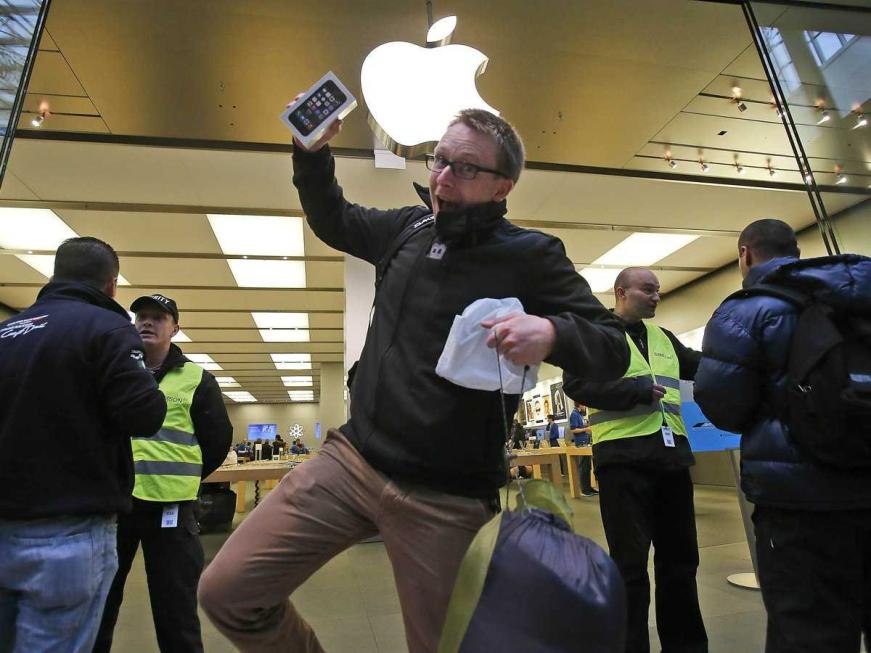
787, 363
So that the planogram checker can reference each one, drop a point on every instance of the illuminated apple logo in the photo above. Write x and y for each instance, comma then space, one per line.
413, 93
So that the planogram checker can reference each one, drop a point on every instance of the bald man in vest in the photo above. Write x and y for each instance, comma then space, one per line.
642, 458
191, 444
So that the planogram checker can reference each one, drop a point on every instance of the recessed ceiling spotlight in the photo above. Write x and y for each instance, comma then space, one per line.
861, 120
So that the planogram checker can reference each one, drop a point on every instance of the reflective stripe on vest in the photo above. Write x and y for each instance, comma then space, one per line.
644, 419
169, 464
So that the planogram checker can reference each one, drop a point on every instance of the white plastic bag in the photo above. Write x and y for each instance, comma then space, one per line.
467, 360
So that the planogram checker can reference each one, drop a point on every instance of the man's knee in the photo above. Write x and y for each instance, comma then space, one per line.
212, 592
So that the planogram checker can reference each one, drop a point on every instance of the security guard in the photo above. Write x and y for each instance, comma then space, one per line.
642, 459
169, 465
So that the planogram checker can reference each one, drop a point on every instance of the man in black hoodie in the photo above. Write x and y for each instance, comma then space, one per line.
73, 378
191, 444
393, 468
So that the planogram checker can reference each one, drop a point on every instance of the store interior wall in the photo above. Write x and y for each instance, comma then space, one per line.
330, 412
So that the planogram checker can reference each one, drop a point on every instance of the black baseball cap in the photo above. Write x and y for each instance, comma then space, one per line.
161, 301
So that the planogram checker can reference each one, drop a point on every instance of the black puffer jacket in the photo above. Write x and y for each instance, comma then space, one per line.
740, 383
405, 420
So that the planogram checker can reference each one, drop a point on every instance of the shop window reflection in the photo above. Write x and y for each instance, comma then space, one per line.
825, 46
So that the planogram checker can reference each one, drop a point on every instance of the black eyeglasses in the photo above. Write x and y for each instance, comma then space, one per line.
462, 170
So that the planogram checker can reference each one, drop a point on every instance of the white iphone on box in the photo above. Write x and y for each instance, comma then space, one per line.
324, 103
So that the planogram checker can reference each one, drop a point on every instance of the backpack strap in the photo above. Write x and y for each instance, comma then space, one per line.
397, 243
795, 297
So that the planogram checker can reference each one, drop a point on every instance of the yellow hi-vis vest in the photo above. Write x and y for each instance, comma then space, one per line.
169, 463
644, 419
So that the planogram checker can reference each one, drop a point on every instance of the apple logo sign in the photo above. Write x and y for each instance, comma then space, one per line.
412, 93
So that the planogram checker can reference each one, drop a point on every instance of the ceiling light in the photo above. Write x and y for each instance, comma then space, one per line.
776, 108
705, 166
268, 274
771, 171
644, 248
693, 339
34, 229
600, 279
284, 335
742, 107
297, 381
240, 396
292, 361
841, 178
181, 336
824, 116
205, 361
808, 178
301, 395
258, 235
38, 120
671, 162
739, 168
280, 320
736, 91
227, 382
861, 120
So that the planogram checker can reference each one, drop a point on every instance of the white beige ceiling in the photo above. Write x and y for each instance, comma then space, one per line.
595, 88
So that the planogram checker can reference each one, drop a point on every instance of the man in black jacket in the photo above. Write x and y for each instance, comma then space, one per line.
393, 467
72, 378
642, 458
169, 466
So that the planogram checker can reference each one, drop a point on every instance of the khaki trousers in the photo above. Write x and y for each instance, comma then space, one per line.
320, 509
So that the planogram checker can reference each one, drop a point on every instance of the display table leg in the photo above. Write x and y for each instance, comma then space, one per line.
555, 476
574, 476
536, 472
241, 486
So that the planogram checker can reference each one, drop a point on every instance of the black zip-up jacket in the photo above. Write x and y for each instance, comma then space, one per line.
73, 389
212, 426
647, 449
405, 420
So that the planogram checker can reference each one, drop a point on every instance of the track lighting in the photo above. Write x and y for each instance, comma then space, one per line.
742, 107
739, 168
736, 97
861, 120
824, 116
776, 108
38, 120
808, 178
771, 171
840, 177
671, 162
705, 166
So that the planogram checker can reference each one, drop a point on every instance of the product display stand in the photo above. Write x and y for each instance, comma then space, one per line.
747, 579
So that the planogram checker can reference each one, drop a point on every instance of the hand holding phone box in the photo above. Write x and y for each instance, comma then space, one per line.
324, 103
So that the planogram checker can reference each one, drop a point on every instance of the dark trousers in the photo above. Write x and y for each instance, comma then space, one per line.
815, 574
173, 563
585, 466
641, 507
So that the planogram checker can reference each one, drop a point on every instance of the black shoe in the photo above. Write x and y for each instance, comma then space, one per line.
588, 494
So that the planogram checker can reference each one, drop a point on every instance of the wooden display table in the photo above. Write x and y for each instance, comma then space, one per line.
548, 457
262, 470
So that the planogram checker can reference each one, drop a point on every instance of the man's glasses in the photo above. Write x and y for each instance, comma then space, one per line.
461, 170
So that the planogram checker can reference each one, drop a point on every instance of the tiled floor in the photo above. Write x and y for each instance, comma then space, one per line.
351, 602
